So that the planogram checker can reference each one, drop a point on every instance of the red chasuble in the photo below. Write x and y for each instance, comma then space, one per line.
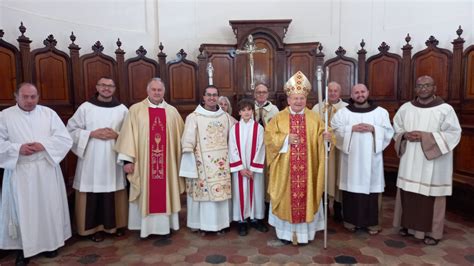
157, 170
298, 170
252, 156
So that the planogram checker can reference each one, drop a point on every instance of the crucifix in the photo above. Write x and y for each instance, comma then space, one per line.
250, 48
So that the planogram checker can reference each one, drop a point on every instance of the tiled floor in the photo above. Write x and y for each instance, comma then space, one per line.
185, 248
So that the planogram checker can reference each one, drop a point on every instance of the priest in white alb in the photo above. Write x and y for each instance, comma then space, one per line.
101, 203
427, 131
149, 145
363, 131
205, 164
295, 157
335, 103
34, 214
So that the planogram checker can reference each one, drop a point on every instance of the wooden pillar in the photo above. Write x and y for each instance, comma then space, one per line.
203, 79
456, 72
163, 70
121, 84
361, 63
76, 72
24, 43
406, 92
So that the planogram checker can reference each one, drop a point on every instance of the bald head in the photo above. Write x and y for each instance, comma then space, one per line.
425, 88
359, 94
27, 96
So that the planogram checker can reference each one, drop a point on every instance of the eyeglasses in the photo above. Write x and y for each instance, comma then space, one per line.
211, 94
261, 92
424, 86
110, 86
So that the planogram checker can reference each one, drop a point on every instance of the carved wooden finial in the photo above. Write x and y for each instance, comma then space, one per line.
97, 47
408, 38
320, 48
161, 47
362, 51
50, 41
119, 43
181, 54
141, 51
72, 37
407, 46
459, 31
201, 49
432, 41
383, 48
1, 33
340, 51
22, 29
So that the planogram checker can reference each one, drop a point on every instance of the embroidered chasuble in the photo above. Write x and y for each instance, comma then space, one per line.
296, 177
206, 136
150, 137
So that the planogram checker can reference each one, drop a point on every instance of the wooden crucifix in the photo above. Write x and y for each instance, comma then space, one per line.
250, 48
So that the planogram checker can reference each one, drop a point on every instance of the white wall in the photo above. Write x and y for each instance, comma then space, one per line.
188, 23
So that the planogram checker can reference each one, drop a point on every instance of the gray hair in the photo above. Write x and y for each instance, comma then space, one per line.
228, 103
155, 79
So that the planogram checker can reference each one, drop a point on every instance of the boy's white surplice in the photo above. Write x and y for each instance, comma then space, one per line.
248, 136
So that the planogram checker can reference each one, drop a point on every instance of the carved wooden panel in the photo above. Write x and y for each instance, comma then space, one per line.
469, 73
464, 153
140, 70
94, 66
51, 75
383, 72
264, 64
9, 80
343, 70
223, 72
436, 63
183, 80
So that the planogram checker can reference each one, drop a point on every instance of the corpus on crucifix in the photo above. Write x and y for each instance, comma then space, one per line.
250, 48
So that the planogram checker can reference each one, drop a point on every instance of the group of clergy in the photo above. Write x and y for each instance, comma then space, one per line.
227, 168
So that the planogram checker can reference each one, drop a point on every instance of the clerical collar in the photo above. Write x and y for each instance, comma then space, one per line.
353, 108
265, 104
155, 105
95, 101
295, 113
435, 102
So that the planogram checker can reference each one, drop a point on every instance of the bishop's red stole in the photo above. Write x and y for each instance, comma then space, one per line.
157, 161
298, 169
252, 156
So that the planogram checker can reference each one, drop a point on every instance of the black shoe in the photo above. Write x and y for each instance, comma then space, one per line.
259, 225
20, 259
120, 232
337, 212
51, 254
242, 229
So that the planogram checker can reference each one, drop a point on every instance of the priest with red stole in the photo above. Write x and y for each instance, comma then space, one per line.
149, 145
295, 157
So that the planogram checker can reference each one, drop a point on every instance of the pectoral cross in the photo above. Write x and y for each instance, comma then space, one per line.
250, 49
